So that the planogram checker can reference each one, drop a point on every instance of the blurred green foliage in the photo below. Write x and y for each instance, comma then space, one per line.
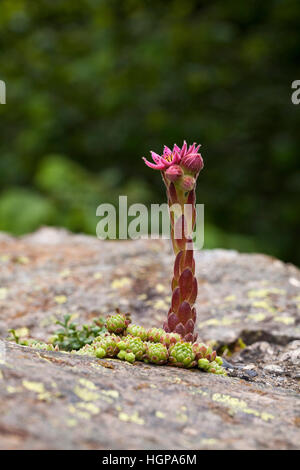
93, 85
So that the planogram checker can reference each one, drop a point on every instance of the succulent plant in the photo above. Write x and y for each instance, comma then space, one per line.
40, 345
126, 356
161, 348
182, 355
156, 353
214, 367
121, 354
180, 168
117, 323
86, 350
155, 334
108, 343
100, 352
138, 331
201, 350
129, 357
169, 339
134, 345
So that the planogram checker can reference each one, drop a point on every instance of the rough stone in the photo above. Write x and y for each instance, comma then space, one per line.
248, 307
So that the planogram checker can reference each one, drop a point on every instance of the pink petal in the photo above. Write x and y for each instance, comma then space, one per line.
157, 158
183, 150
176, 158
159, 166
167, 151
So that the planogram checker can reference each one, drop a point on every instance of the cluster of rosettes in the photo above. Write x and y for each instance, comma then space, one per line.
135, 343
117, 323
40, 345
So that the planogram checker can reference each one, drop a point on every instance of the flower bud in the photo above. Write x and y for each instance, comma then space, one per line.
174, 172
193, 162
188, 183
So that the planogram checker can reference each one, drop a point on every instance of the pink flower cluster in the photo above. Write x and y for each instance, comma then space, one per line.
186, 157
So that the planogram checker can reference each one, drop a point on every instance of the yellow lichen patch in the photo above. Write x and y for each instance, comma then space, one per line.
265, 292
46, 396
60, 299
36, 387
1, 375
265, 305
175, 380
110, 393
85, 394
12, 389
98, 276
230, 298
3, 293
90, 407
84, 410
142, 297
236, 405
198, 391
160, 305
160, 288
134, 418
122, 282
79, 413
22, 260
225, 321
160, 414
88, 384
65, 273
208, 442
71, 422
181, 417
285, 320
257, 316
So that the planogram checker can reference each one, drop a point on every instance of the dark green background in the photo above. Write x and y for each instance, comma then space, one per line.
92, 86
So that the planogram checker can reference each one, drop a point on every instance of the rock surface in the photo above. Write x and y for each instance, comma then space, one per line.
248, 306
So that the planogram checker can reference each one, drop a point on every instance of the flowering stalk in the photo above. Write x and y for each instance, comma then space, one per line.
180, 168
